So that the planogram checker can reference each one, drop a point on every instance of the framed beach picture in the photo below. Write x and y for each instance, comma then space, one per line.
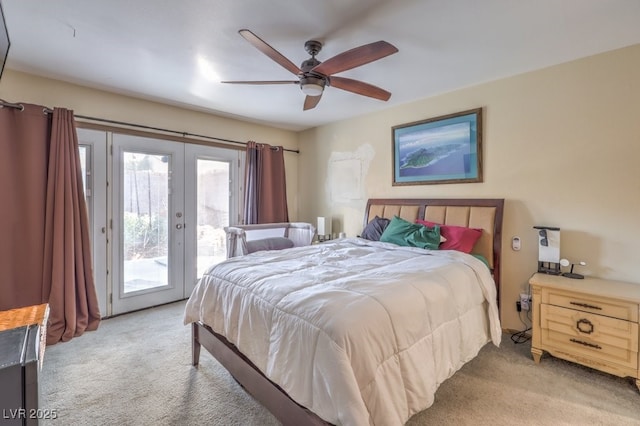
446, 149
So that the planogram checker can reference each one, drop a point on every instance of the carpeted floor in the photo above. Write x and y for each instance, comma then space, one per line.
136, 369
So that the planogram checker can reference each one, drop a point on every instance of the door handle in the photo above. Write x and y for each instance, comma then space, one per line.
179, 226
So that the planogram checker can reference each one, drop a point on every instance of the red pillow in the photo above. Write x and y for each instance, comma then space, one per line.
458, 237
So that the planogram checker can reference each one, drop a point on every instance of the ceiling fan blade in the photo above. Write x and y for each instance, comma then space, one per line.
265, 48
264, 82
355, 57
360, 87
311, 102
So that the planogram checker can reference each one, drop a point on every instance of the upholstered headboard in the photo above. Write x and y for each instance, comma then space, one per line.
483, 213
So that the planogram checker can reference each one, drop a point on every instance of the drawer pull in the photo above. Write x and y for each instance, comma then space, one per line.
584, 326
591, 345
586, 305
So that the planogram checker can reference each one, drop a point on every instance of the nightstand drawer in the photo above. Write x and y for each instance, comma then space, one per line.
612, 308
589, 335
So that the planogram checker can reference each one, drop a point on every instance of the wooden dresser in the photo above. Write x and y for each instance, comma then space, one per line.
593, 322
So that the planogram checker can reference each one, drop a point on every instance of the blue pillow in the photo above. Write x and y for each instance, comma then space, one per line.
404, 233
375, 228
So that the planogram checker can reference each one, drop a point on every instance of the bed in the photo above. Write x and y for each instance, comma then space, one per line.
354, 331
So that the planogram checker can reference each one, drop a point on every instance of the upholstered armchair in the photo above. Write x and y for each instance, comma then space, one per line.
244, 239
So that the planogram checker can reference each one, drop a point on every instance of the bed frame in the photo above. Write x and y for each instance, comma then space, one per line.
477, 213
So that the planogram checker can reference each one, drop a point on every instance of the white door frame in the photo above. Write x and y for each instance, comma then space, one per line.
103, 202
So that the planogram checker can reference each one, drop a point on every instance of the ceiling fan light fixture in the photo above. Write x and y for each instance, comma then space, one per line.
312, 89
312, 86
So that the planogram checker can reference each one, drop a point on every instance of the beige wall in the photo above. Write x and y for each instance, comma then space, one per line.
561, 145
21, 87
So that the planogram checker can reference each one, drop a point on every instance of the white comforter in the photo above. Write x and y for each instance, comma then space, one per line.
359, 332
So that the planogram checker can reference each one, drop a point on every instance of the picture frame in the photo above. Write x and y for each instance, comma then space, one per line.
444, 149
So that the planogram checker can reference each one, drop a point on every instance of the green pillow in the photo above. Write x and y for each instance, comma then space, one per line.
404, 233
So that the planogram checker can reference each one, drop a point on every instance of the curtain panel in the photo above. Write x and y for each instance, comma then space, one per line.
265, 185
46, 257
24, 151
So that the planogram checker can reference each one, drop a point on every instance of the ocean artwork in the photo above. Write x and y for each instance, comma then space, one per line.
437, 151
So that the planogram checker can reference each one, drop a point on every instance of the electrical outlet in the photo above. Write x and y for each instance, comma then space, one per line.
525, 301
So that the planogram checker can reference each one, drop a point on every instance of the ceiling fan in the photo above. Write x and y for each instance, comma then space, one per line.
314, 76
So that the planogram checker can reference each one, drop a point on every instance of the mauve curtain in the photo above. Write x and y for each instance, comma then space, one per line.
23, 187
265, 198
50, 222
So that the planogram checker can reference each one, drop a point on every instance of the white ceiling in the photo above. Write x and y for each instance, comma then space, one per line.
177, 51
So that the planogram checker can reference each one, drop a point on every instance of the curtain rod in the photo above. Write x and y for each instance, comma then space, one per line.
142, 126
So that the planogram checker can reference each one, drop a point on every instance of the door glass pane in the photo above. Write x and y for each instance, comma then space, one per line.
83, 152
145, 220
212, 212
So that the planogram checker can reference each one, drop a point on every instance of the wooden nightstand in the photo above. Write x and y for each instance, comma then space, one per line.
593, 322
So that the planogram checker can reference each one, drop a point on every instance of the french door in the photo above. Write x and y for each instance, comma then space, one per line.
212, 196
148, 222
168, 205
